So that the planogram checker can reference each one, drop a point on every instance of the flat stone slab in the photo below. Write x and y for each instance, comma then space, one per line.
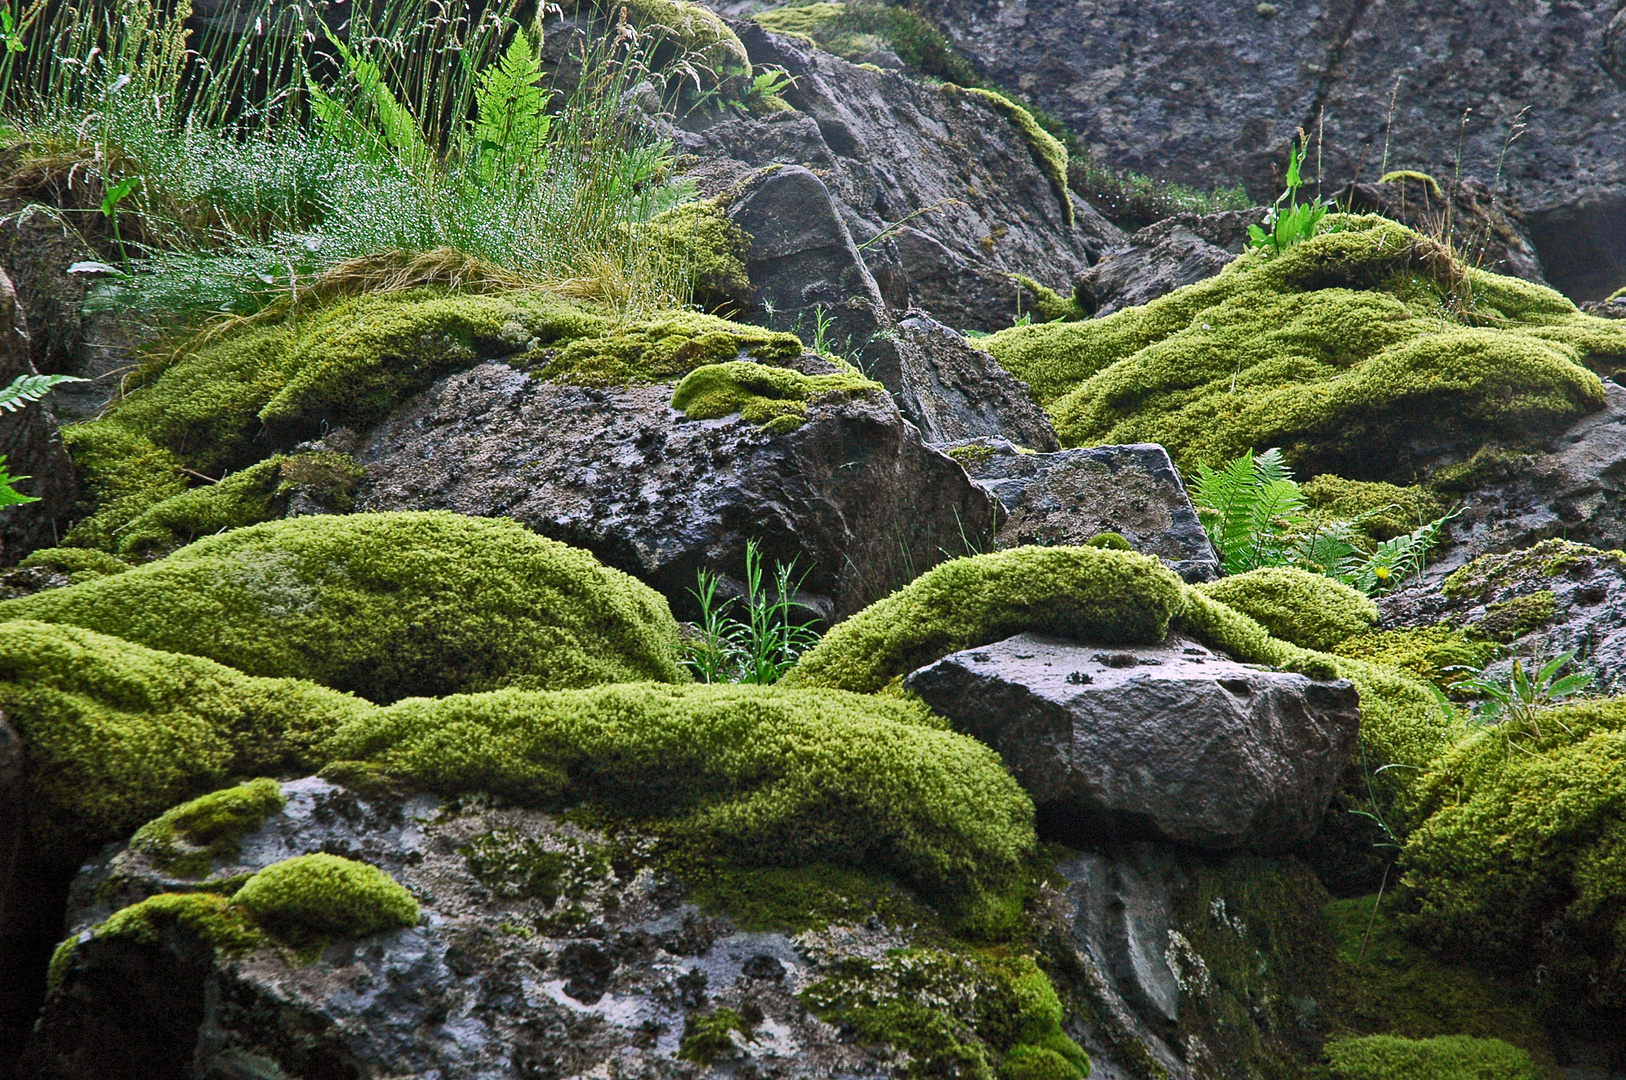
1170, 741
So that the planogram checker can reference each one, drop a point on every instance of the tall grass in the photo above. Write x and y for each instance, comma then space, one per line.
260, 155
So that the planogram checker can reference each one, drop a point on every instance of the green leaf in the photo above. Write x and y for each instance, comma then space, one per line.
26, 388
513, 121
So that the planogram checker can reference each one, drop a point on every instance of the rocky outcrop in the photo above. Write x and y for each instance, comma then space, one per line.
853, 497
1073, 496
1160, 258
31, 447
1169, 741
953, 391
1209, 94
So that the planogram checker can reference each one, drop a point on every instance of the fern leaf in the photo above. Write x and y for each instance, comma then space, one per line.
512, 106
26, 388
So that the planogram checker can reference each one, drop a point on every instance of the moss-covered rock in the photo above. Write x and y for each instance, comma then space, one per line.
1049, 153
122, 474
1442, 655
118, 733
325, 894
1085, 593
1344, 351
80, 564
702, 238
697, 33
770, 397
1382, 511
1447, 1057
186, 841
386, 606
1310, 610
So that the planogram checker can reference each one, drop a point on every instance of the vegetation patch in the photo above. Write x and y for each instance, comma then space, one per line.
1448, 1057
80, 564
1381, 511
189, 839
770, 397
385, 606
324, 894
1343, 350
1508, 619
1309, 610
1441, 654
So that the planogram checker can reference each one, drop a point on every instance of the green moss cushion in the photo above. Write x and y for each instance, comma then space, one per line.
771, 397
1344, 351
1449, 1057
326, 894
1310, 610
1085, 593
188, 839
386, 606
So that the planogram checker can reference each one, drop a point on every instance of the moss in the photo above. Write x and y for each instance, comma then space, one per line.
1411, 176
770, 397
859, 28
209, 829
1519, 855
80, 564
707, 1035
1440, 654
1527, 569
662, 349
1048, 304
1344, 351
701, 35
117, 733
258, 493
325, 894
1512, 618
386, 606
793, 899
772, 777
954, 1013
1109, 541
700, 236
1384, 511
1448, 1057
1488, 465
519, 867
1113, 597
213, 918
1309, 610
806, 19
1387, 985
972, 455
121, 474
1048, 152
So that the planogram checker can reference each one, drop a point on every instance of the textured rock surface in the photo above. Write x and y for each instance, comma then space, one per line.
32, 448
1161, 258
853, 496
589, 972
1073, 495
1169, 741
1209, 94
953, 391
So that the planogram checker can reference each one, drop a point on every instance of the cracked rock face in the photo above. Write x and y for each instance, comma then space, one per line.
1167, 741
538, 955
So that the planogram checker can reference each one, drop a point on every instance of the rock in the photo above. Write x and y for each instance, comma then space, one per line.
960, 392
1074, 495
537, 954
1209, 94
1168, 741
1160, 258
32, 448
853, 496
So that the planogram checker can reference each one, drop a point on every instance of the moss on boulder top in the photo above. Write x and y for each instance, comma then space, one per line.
188, 839
1345, 350
770, 397
326, 894
386, 606
1309, 610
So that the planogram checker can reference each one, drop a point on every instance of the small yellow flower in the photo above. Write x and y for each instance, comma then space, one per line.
1381, 573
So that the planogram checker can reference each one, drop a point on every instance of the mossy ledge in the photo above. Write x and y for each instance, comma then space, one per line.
770, 397
386, 606
187, 840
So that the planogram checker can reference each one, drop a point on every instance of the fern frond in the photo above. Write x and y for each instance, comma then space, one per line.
26, 388
513, 121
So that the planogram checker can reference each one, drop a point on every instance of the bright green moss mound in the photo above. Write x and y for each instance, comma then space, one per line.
693, 29
118, 733
1309, 610
769, 776
213, 919
1448, 1057
80, 564
700, 236
187, 840
1522, 833
1048, 151
121, 474
1085, 593
386, 606
1344, 351
326, 894
1382, 511
1441, 654
771, 397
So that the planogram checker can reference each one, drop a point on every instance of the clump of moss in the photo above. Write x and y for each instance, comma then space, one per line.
117, 733
770, 776
122, 473
520, 867
325, 894
1383, 511
972, 454
1090, 594
661, 349
1109, 541
707, 1035
859, 28
80, 564
1509, 619
770, 397
1309, 610
698, 33
791, 898
1526, 569
1441, 654
1447, 1057
1048, 151
257, 493
385, 606
212, 918
700, 236
954, 1013
1343, 350
1048, 304
188, 840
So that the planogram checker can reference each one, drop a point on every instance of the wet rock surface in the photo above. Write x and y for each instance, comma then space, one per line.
853, 496
32, 448
1178, 251
1072, 496
954, 391
1169, 741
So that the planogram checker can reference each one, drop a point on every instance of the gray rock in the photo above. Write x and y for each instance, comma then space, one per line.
853, 496
1161, 258
960, 392
509, 973
32, 448
1069, 497
1168, 741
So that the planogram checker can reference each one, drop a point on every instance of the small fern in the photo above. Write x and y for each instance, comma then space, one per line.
513, 121
26, 388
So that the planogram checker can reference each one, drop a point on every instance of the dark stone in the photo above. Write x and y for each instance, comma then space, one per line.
954, 391
587, 969
763, 966
1121, 920
854, 496
32, 448
1069, 497
1184, 745
1160, 258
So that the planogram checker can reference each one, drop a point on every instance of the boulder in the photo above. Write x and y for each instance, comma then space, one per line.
954, 391
853, 496
1072, 496
32, 447
1169, 741
1160, 258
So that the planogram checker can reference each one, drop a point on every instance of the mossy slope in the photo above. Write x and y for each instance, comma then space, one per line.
386, 606
1344, 351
